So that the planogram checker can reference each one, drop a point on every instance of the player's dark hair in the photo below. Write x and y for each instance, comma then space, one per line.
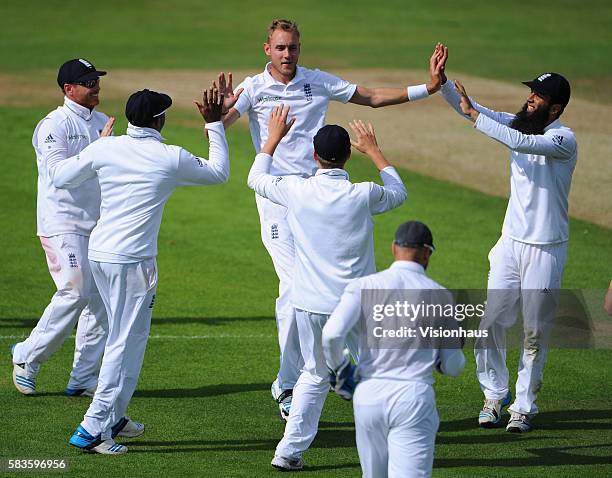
284, 25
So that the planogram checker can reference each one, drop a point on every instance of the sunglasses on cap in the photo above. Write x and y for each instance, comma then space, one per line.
89, 83
415, 246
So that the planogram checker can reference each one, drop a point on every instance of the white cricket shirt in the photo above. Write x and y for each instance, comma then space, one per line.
375, 361
137, 175
541, 168
331, 222
308, 95
61, 134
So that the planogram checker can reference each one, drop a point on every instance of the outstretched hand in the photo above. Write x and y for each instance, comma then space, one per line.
464, 102
366, 142
278, 127
230, 97
437, 63
108, 127
212, 104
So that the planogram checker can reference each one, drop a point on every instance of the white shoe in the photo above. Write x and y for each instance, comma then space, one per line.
286, 464
132, 429
490, 415
109, 447
24, 382
519, 423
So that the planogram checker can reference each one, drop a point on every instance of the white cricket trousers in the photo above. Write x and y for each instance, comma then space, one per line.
522, 278
311, 389
278, 241
396, 422
76, 299
128, 292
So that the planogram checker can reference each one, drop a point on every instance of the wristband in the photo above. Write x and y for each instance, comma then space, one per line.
417, 92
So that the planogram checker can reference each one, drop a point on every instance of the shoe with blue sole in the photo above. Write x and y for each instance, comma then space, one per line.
82, 439
491, 413
79, 392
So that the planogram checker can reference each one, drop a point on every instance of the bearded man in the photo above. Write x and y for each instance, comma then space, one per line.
526, 264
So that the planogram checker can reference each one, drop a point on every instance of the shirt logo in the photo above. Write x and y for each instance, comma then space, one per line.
72, 260
277, 180
50, 139
308, 91
72, 137
200, 162
544, 76
557, 139
266, 99
274, 231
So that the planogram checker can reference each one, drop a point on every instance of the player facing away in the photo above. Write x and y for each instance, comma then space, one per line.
330, 219
526, 264
308, 93
137, 174
64, 222
396, 419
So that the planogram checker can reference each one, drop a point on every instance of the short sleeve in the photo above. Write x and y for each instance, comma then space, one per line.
337, 88
244, 102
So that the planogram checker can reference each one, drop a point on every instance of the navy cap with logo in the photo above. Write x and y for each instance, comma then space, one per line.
76, 71
553, 85
144, 106
414, 234
332, 143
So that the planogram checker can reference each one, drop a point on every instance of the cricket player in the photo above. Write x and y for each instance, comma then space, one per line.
137, 174
64, 222
396, 419
330, 219
308, 93
526, 264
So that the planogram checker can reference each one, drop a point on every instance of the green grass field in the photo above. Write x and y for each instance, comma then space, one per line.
204, 390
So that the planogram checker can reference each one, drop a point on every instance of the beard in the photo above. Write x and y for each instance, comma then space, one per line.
531, 123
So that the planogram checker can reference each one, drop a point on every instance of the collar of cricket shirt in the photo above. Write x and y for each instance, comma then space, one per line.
141, 132
299, 76
408, 265
555, 124
77, 109
333, 173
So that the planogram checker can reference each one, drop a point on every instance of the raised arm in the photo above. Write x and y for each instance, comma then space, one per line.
275, 188
195, 171
453, 98
393, 192
378, 97
230, 98
555, 143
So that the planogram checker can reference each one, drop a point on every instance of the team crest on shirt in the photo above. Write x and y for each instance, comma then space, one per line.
274, 231
308, 91
72, 260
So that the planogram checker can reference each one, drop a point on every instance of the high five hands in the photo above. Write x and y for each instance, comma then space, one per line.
464, 103
212, 104
437, 63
